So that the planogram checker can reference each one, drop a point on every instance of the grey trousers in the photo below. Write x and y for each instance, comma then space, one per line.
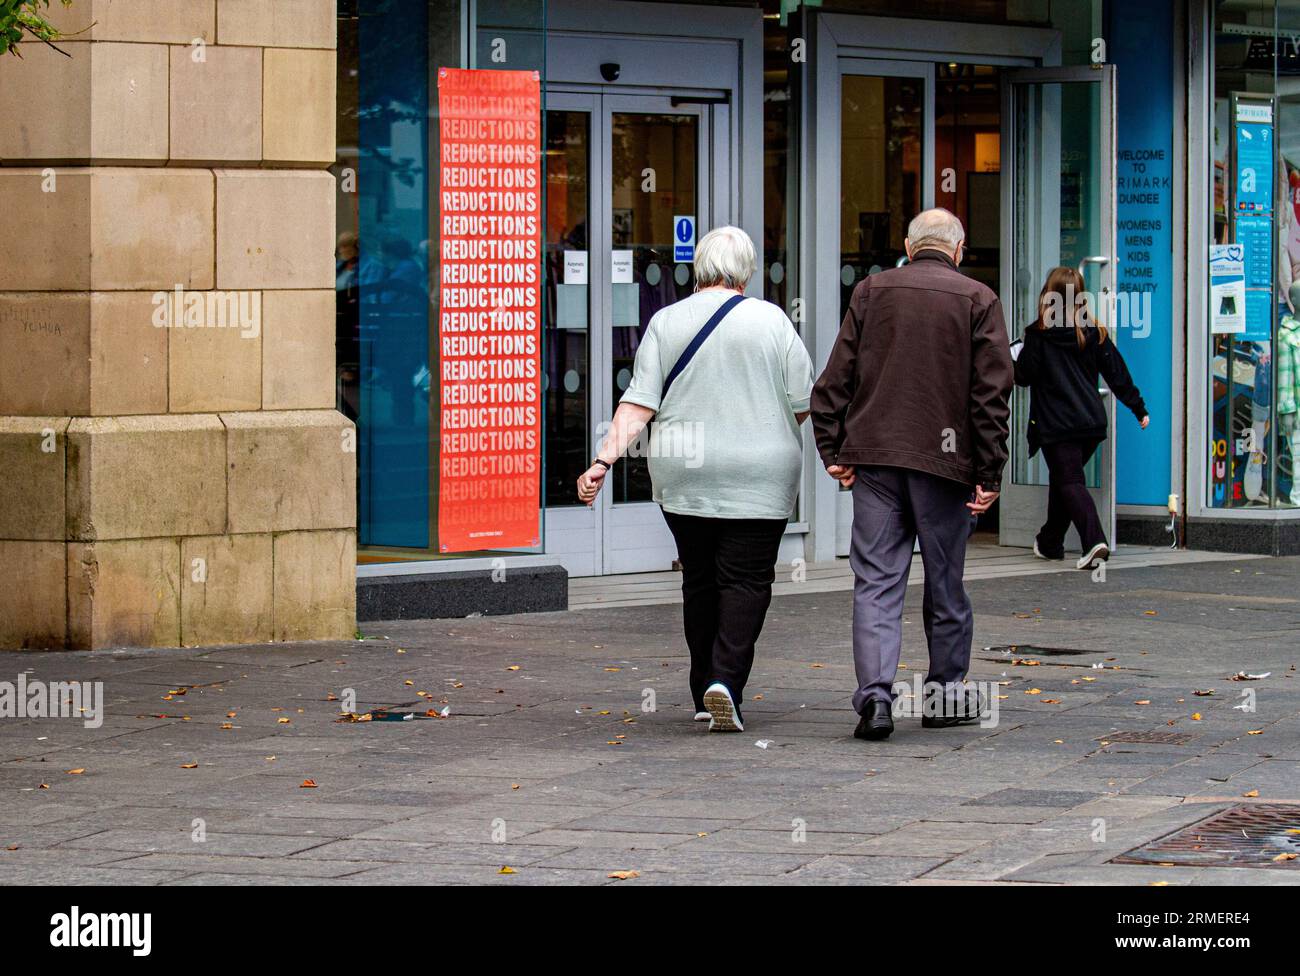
891, 508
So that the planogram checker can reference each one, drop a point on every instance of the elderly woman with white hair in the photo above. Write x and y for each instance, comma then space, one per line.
734, 371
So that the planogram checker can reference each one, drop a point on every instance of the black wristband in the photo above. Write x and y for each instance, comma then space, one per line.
601, 461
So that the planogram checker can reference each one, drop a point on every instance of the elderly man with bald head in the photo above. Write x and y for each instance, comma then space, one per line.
911, 412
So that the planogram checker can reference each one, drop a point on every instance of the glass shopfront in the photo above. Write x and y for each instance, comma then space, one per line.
821, 128
1254, 349
387, 267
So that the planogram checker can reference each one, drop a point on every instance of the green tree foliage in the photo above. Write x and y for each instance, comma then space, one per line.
19, 17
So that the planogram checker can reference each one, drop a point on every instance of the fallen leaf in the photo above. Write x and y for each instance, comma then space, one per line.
627, 875
76, 772
44, 786
1255, 732
506, 869
192, 765
513, 667
514, 786
307, 784
1203, 694
1143, 701
283, 721
1252, 793
409, 684
816, 665
1050, 701
1034, 691
1285, 857
1196, 716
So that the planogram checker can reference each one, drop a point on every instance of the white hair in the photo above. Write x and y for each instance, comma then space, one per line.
935, 228
725, 256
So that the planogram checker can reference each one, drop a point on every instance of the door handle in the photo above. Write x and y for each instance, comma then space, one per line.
1098, 259
1101, 260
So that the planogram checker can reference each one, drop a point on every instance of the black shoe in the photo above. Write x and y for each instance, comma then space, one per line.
967, 714
876, 722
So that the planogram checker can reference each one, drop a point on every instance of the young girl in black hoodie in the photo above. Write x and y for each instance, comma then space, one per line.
1063, 354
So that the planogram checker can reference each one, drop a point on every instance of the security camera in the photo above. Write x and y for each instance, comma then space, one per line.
610, 70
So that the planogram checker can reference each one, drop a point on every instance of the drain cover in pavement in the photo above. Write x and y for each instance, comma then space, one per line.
1031, 650
1255, 836
1161, 738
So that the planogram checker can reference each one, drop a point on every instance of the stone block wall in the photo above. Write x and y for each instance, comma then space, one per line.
172, 469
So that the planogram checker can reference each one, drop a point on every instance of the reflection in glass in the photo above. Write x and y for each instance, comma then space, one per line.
968, 161
567, 315
881, 155
668, 147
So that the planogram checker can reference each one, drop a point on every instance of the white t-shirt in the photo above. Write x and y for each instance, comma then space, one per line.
724, 443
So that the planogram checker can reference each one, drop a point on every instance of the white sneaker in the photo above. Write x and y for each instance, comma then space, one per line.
723, 715
702, 717
1039, 553
1099, 552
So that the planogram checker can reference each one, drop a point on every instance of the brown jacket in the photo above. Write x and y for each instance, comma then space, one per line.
919, 376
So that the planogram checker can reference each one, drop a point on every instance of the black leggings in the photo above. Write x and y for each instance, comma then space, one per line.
728, 566
1068, 501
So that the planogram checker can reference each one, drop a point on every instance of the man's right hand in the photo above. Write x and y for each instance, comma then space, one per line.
983, 500
841, 473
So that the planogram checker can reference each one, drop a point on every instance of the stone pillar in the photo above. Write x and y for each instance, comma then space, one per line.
172, 469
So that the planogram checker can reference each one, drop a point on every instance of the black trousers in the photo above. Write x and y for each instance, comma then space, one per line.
1068, 501
728, 566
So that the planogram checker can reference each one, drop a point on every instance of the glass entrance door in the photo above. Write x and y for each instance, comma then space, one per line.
886, 155
622, 173
1058, 201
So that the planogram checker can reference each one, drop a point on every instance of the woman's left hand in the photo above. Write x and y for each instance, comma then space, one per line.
590, 482
1144, 421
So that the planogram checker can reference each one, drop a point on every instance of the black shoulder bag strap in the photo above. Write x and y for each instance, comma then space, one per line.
689, 352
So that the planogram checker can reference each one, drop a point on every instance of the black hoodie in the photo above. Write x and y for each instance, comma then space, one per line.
1064, 403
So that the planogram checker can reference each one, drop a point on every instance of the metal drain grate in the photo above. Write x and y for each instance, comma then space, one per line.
1252, 836
1032, 650
1159, 738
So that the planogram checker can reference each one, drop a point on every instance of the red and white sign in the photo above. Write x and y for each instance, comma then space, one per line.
490, 301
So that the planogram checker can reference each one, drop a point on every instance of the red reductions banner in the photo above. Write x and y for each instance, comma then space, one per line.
490, 213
